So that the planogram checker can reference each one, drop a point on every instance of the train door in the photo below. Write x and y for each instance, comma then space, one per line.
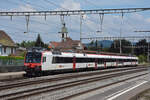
96, 61
74, 62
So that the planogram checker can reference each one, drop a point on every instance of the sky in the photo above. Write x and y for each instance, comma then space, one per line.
49, 28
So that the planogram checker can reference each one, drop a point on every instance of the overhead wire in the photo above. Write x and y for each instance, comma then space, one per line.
101, 16
12, 2
36, 5
30, 18
39, 7
91, 3
52, 3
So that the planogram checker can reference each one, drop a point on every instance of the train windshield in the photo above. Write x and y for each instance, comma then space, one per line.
33, 57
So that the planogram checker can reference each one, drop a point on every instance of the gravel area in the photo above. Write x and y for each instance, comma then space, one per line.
23, 88
142, 96
69, 91
56, 95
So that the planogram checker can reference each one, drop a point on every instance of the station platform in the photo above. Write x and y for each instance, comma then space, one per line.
11, 75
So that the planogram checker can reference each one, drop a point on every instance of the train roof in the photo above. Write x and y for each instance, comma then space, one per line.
86, 55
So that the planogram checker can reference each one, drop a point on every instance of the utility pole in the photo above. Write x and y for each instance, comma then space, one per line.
148, 50
132, 47
81, 18
121, 33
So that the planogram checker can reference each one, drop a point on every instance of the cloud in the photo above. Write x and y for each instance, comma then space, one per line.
91, 23
148, 20
71, 5
25, 7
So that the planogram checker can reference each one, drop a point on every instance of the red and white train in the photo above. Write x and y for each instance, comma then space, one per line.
46, 61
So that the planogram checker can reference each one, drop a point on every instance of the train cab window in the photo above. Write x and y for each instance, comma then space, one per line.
44, 59
33, 57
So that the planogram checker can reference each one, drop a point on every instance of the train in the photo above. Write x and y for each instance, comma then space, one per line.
38, 62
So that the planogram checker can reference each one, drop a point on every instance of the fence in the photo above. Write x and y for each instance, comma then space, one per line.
11, 65
11, 62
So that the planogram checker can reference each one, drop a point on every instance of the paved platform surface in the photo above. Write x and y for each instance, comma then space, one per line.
11, 75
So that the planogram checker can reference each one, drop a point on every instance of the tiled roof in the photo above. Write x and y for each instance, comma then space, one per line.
54, 44
5, 40
68, 43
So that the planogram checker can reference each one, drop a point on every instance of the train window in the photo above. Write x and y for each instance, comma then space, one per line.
44, 59
62, 60
54, 60
100, 61
89, 60
33, 57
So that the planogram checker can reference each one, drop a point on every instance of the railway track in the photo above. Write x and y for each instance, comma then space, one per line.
38, 80
53, 88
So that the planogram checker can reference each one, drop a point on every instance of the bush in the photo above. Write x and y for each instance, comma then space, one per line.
22, 54
12, 57
142, 58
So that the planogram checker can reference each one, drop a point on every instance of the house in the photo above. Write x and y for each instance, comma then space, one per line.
7, 45
68, 44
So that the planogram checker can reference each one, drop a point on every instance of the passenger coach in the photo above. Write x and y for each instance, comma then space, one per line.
38, 62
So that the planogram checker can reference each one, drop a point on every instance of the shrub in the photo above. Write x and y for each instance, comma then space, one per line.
142, 58
12, 57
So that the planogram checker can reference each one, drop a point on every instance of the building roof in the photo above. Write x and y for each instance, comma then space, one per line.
5, 40
67, 44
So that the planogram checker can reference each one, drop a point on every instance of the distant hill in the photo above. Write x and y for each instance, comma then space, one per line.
104, 43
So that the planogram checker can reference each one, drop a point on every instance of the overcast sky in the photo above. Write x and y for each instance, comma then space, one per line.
49, 29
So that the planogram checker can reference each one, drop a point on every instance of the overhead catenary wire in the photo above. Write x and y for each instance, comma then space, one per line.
56, 5
91, 3
27, 17
35, 5
63, 16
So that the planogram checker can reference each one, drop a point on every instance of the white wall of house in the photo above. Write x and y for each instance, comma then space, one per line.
5, 51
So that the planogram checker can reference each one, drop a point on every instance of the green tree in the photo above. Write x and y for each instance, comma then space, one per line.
142, 58
92, 43
141, 47
39, 42
23, 44
92, 46
27, 44
115, 47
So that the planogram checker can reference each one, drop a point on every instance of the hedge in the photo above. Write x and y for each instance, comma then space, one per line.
12, 57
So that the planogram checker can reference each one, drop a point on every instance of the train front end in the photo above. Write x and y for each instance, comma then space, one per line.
32, 63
